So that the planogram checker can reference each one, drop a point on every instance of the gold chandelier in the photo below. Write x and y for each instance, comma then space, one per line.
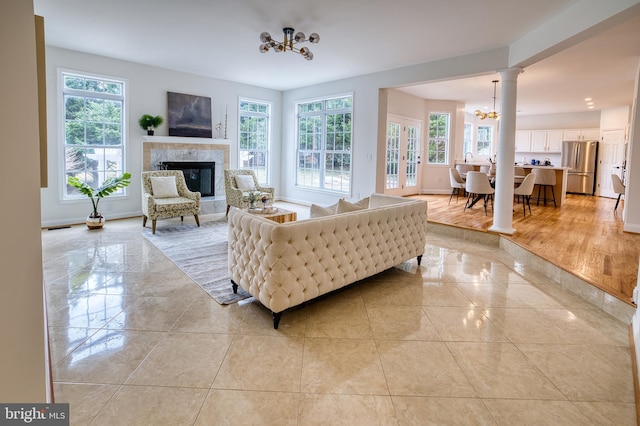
493, 114
290, 40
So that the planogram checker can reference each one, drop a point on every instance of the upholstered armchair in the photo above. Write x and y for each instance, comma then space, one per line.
165, 194
237, 194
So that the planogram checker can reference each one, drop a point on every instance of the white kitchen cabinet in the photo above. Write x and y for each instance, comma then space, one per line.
581, 135
554, 141
546, 140
523, 141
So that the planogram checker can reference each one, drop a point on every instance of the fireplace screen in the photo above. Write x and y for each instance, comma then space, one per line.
200, 176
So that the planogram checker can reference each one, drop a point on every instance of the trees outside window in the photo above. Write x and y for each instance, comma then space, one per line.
94, 128
254, 145
324, 144
483, 143
439, 124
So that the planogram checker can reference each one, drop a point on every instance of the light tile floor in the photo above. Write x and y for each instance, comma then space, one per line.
463, 339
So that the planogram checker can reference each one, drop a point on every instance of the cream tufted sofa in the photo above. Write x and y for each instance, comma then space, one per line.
284, 265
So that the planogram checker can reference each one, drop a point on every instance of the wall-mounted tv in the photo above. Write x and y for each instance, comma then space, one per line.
189, 115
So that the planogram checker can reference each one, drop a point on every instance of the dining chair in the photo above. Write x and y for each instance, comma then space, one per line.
478, 187
518, 171
618, 188
545, 178
457, 184
524, 190
463, 169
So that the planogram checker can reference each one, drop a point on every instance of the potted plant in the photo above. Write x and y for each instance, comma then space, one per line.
149, 122
95, 220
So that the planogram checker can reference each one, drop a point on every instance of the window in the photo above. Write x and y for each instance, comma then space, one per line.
324, 144
467, 142
255, 121
483, 143
439, 138
93, 130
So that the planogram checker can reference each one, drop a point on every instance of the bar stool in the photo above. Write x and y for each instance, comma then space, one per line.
544, 179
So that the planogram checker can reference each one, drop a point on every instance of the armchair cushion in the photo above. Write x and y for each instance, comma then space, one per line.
164, 186
245, 183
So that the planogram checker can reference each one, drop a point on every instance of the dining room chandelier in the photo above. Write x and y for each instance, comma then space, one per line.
289, 43
492, 114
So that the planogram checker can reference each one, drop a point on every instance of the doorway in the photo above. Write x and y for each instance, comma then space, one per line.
402, 155
610, 160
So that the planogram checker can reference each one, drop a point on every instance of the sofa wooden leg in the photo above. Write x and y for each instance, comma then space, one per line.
181, 218
197, 220
228, 207
419, 258
234, 286
276, 319
153, 226
144, 221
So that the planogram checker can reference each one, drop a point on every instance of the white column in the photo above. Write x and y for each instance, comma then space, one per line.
503, 205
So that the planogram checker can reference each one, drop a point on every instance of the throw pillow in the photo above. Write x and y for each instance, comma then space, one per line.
164, 186
319, 211
345, 206
245, 183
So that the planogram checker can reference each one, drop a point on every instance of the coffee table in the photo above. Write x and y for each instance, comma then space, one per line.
280, 215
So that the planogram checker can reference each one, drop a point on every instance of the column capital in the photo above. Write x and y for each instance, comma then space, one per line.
510, 73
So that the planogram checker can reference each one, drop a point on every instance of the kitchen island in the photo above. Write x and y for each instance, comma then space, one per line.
560, 189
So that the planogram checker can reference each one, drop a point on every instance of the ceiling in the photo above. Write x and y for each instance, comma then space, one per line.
220, 39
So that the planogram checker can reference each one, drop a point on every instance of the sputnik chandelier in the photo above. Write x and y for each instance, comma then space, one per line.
290, 40
493, 114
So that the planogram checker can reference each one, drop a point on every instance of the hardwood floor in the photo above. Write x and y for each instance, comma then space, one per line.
583, 237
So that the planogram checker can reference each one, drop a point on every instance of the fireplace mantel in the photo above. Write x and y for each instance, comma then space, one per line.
180, 139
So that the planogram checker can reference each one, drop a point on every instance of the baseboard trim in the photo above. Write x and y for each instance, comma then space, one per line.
634, 367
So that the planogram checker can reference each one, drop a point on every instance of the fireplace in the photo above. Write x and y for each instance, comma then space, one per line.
199, 175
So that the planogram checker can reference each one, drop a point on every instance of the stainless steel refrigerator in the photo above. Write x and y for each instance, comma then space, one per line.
581, 157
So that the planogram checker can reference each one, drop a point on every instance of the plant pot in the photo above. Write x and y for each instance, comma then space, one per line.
150, 132
95, 222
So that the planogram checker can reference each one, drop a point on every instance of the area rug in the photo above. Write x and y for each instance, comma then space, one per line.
201, 252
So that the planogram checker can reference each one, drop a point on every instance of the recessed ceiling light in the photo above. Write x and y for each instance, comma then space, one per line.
590, 107
587, 99
589, 103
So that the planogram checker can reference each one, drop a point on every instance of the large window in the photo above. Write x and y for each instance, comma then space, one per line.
94, 130
439, 138
254, 144
466, 144
324, 144
483, 143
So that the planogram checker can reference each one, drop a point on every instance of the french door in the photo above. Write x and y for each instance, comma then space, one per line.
402, 156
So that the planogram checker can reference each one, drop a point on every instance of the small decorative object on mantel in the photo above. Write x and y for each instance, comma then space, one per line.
95, 220
149, 123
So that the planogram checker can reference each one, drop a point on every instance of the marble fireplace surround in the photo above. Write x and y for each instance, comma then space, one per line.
158, 149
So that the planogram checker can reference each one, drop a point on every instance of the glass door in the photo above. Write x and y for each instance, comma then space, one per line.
402, 156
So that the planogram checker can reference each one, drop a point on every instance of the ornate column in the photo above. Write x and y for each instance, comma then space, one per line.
503, 203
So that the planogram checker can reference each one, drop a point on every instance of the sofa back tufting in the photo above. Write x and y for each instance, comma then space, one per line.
284, 265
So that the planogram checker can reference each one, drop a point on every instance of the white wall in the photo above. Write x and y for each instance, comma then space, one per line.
23, 369
147, 94
576, 120
632, 197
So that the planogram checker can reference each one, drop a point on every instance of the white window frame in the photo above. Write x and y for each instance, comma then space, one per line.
446, 138
321, 149
63, 92
492, 130
267, 150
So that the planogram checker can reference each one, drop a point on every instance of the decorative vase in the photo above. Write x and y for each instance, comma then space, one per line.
95, 222
150, 132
